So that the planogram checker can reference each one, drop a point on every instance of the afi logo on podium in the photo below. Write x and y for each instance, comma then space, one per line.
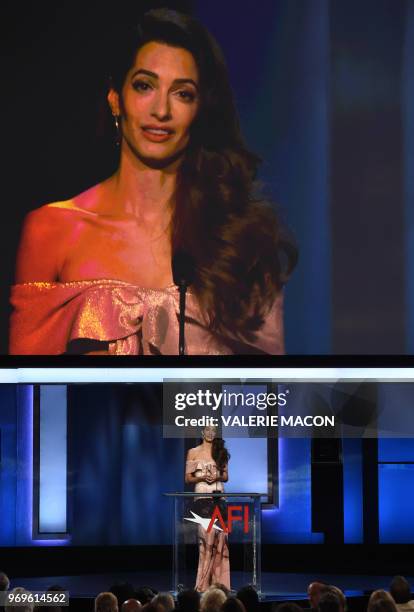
234, 513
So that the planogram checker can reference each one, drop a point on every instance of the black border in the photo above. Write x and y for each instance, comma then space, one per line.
206, 361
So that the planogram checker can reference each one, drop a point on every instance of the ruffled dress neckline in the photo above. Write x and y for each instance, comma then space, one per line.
52, 318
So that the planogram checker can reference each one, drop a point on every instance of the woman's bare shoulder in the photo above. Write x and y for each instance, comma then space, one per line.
193, 453
47, 232
88, 201
45, 217
42, 242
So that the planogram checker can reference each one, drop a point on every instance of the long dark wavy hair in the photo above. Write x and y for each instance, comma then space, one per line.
242, 256
220, 453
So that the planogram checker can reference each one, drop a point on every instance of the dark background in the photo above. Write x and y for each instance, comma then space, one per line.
325, 91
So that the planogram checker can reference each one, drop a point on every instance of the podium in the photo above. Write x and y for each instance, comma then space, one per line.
230, 518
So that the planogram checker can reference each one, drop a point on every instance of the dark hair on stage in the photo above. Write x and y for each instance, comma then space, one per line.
400, 590
220, 453
242, 256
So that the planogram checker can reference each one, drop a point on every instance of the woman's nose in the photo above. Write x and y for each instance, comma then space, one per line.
161, 107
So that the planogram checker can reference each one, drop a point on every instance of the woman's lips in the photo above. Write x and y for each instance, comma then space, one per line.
156, 134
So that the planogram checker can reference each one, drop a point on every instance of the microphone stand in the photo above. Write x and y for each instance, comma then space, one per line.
183, 274
183, 293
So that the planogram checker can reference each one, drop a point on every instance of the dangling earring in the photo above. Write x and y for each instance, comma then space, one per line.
118, 130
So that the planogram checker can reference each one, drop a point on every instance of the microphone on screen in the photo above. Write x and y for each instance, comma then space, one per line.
183, 276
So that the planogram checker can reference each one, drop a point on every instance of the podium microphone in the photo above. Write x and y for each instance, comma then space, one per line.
183, 275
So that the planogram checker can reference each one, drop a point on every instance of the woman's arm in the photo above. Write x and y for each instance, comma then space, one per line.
224, 474
40, 249
41, 252
190, 477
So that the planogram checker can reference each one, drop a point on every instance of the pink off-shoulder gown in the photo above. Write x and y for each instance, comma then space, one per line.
50, 318
213, 549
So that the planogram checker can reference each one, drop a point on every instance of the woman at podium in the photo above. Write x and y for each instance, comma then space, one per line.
207, 468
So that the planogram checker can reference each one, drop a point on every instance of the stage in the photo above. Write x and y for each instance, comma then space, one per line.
86, 513
275, 586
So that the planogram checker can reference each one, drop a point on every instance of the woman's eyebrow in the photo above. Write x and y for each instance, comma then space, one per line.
154, 75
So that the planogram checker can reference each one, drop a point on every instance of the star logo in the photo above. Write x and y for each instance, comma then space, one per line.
204, 522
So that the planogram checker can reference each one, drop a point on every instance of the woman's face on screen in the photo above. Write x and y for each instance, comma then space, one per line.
209, 433
159, 102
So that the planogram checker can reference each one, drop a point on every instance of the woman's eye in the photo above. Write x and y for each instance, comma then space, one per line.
187, 96
141, 86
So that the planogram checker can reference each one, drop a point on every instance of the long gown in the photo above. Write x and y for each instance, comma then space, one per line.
213, 559
52, 318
